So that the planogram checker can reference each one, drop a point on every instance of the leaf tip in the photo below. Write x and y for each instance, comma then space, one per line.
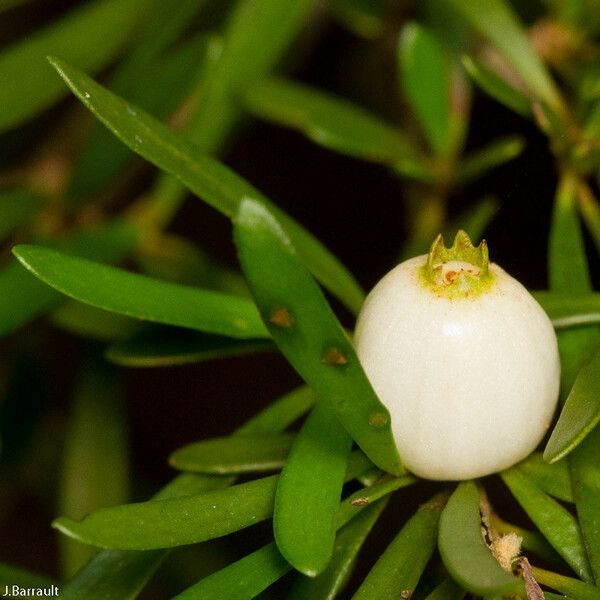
65, 526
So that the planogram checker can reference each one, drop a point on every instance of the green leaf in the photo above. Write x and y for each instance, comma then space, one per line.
193, 515
243, 579
307, 332
496, 21
11, 575
141, 297
234, 455
256, 36
426, 75
570, 309
88, 36
252, 574
580, 414
570, 273
585, 474
557, 525
447, 590
464, 551
496, 153
572, 588
348, 542
16, 206
309, 491
399, 568
175, 521
159, 89
355, 503
94, 470
552, 479
113, 575
327, 120
120, 575
589, 209
568, 268
167, 346
204, 176
497, 88
24, 297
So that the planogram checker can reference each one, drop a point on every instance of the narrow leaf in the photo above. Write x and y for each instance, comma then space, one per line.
256, 36
167, 346
234, 455
572, 588
397, 571
249, 576
585, 474
24, 297
309, 491
307, 332
141, 297
193, 515
159, 89
497, 88
327, 120
175, 521
570, 309
120, 575
353, 505
496, 21
464, 551
243, 579
16, 206
426, 75
552, 479
580, 414
89, 36
557, 525
348, 542
204, 176
570, 273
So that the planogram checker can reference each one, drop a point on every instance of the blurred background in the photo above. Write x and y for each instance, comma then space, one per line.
366, 211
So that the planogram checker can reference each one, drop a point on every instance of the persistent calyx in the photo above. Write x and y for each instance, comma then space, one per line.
459, 271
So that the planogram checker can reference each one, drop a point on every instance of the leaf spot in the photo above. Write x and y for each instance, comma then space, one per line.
335, 357
281, 317
378, 419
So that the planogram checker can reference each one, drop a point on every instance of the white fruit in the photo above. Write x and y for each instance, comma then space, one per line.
465, 360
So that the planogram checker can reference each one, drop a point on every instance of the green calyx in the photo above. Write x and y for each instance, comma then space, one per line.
461, 271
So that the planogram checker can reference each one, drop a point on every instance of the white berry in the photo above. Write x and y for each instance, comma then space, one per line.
465, 360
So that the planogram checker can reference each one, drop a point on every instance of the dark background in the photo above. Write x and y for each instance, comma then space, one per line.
354, 207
